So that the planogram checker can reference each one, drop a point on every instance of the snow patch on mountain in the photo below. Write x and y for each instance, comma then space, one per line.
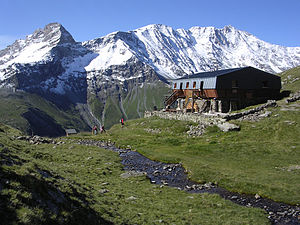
35, 52
113, 53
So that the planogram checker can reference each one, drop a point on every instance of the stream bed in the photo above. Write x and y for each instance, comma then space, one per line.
174, 175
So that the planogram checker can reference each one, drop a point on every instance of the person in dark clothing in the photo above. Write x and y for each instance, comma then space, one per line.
102, 130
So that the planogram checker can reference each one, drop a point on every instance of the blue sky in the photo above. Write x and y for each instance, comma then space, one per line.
274, 21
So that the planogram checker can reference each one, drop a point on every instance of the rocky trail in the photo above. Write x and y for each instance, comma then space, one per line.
174, 175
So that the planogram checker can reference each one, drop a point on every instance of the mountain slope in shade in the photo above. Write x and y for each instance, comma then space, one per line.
100, 77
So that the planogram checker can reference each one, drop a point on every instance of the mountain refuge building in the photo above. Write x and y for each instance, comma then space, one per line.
223, 90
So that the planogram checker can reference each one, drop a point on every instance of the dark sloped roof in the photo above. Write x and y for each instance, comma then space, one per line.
211, 74
71, 131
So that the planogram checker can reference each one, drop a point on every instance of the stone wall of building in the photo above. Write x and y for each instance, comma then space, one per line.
193, 117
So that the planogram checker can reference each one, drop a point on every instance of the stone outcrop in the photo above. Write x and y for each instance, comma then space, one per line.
294, 97
234, 116
36, 140
256, 116
195, 131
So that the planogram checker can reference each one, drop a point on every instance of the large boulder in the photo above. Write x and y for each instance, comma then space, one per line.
228, 127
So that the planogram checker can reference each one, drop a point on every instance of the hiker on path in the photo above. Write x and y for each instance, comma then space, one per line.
102, 130
94, 130
122, 122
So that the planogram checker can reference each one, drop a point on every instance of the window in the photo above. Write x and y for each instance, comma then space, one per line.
234, 83
181, 84
175, 85
201, 85
187, 85
194, 84
265, 84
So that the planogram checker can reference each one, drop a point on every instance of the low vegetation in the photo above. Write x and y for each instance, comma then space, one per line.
68, 183
291, 79
31, 113
134, 103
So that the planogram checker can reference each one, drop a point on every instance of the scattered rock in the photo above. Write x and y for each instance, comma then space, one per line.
132, 174
132, 198
103, 191
289, 122
36, 140
225, 127
293, 167
257, 196
196, 131
156, 172
153, 131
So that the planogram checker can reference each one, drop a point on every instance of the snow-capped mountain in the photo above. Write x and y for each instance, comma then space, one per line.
170, 53
42, 62
49, 62
173, 53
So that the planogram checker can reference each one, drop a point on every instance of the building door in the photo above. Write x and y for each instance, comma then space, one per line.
201, 85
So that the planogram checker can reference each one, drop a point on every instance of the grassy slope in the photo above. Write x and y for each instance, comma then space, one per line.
135, 103
74, 184
291, 79
112, 112
97, 107
144, 98
13, 105
255, 160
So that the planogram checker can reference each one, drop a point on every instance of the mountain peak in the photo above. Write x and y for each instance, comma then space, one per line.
158, 27
229, 27
54, 33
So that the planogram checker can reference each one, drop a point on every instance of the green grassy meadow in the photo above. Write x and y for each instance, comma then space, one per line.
75, 184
